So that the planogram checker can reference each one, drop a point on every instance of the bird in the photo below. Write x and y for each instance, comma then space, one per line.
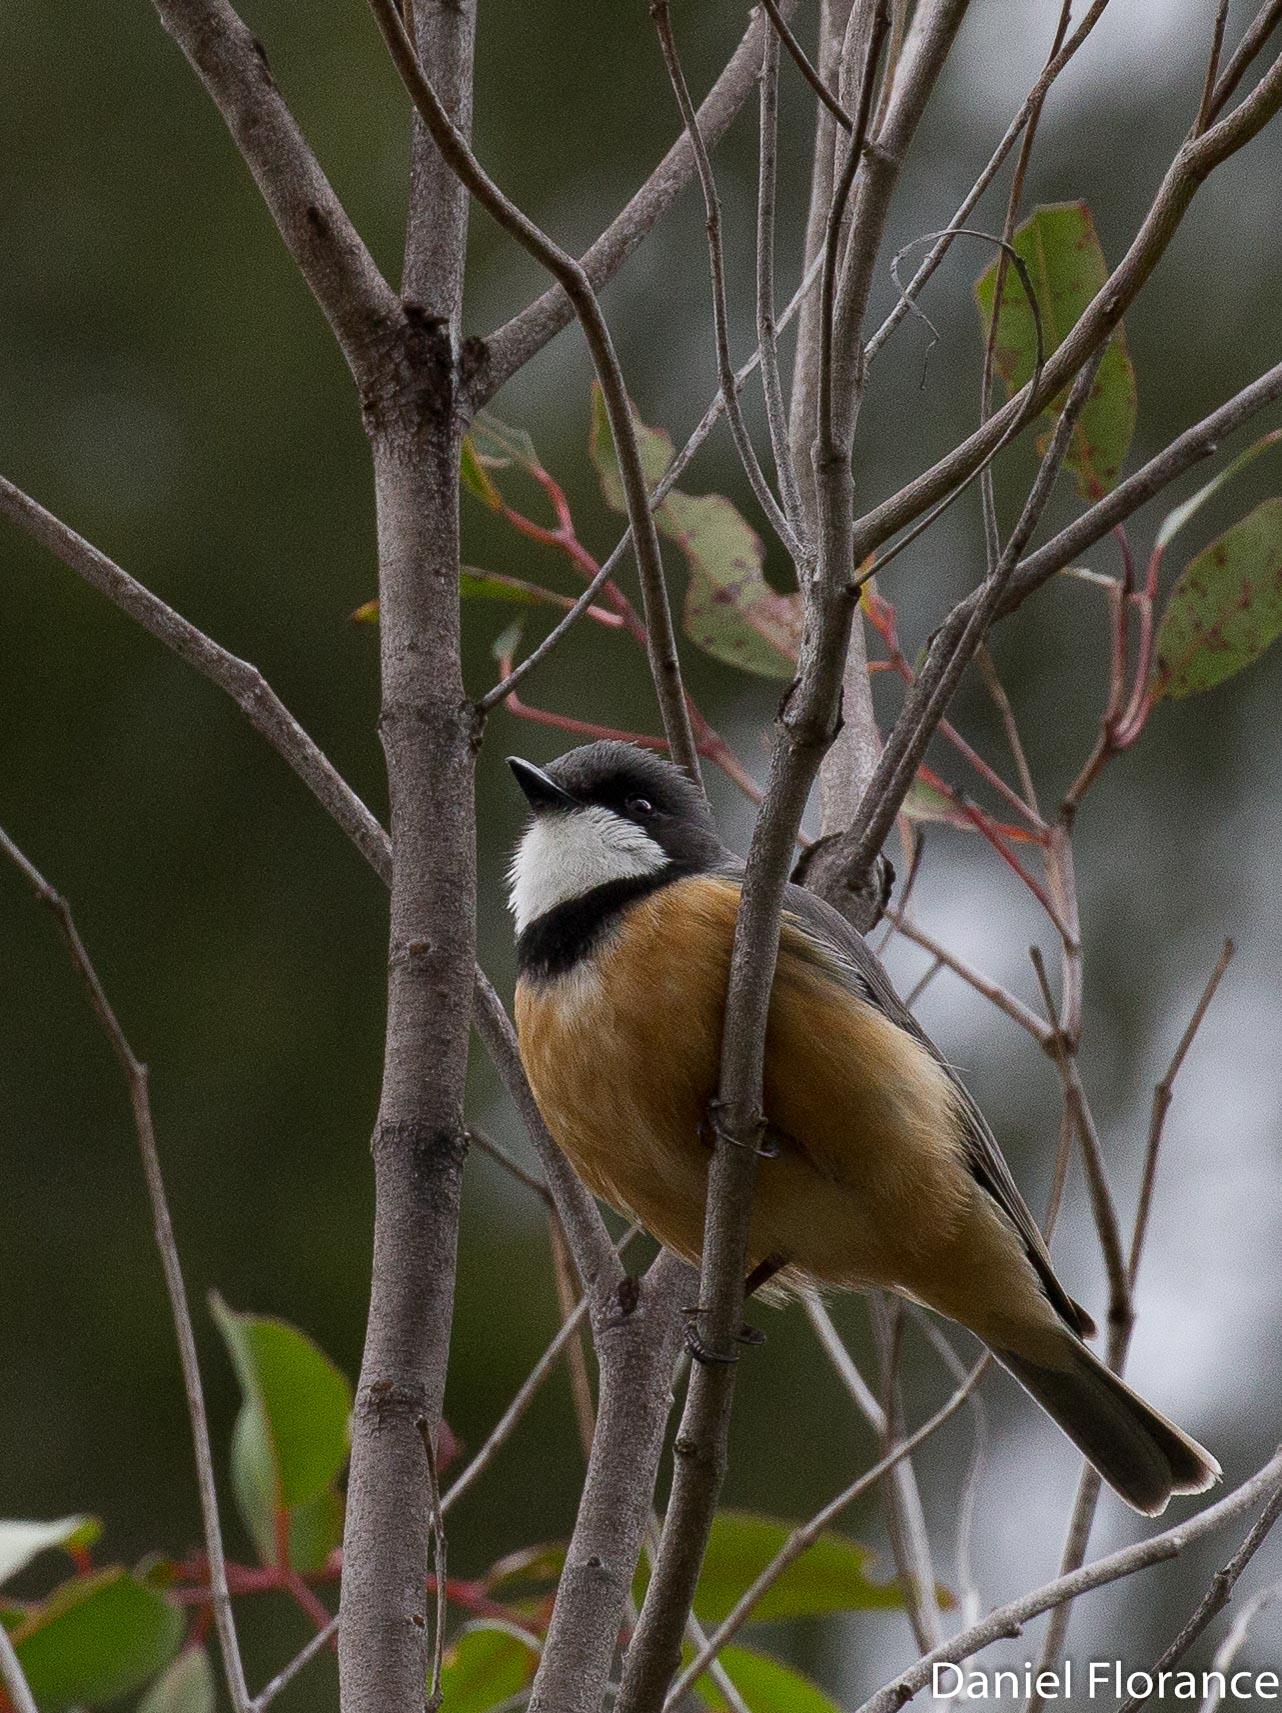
879, 1170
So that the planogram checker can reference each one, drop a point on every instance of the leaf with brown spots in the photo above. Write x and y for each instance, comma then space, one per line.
1225, 609
1061, 249
731, 612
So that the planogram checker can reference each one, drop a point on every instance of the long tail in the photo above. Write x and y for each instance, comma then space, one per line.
1141, 1455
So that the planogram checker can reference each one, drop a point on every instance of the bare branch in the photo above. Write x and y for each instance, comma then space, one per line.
512, 346
358, 303
850, 856
771, 385
661, 13
242, 682
1008, 1620
805, 1536
1188, 449
136, 1078
1192, 166
272, 720
661, 640
1163, 1094
1032, 102
1216, 1597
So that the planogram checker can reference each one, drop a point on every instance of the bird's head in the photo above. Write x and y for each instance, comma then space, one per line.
605, 813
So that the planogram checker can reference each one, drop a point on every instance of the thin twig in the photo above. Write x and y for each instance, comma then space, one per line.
513, 1414
513, 345
1009, 1620
1206, 109
664, 662
136, 1077
661, 13
14, 1678
1163, 1094
1216, 1597
302, 1658
905, 1519
1103, 1206
436, 1518
802, 62
805, 1536
1013, 1008
997, 690
485, 1142
1235, 1640
767, 344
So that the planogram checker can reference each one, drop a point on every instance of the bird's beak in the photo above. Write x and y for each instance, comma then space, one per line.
541, 791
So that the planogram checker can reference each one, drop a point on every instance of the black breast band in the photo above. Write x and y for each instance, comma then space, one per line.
556, 941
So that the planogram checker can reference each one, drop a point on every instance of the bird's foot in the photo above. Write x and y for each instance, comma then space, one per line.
704, 1353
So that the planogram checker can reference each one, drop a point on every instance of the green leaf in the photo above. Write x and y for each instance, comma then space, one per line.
291, 1436
654, 446
925, 802
1174, 521
315, 1530
731, 612
498, 446
489, 1663
20, 1542
766, 1685
95, 1639
831, 1576
507, 641
186, 1687
1061, 249
475, 477
1225, 608
475, 585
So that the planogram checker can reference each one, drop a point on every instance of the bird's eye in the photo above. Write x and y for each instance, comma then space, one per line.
639, 806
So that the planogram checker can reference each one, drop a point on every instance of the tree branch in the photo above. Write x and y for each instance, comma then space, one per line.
513, 345
1193, 164
847, 858
661, 640
137, 1081
230, 61
14, 1678
1010, 1619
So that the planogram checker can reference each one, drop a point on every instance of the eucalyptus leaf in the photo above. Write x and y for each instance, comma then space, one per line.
292, 1435
488, 1664
767, 1685
95, 1639
187, 1686
1061, 249
1225, 608
731, 612
20, 1542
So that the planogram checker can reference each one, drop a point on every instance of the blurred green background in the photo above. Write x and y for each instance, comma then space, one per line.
171, 390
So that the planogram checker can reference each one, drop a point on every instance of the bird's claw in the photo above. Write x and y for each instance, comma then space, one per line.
750, 1336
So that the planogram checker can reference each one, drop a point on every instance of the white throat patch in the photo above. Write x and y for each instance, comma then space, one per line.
565, 855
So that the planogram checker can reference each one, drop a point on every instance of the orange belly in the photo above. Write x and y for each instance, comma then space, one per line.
870, 1186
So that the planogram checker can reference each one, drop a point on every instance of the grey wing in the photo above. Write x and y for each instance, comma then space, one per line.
983, 1156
